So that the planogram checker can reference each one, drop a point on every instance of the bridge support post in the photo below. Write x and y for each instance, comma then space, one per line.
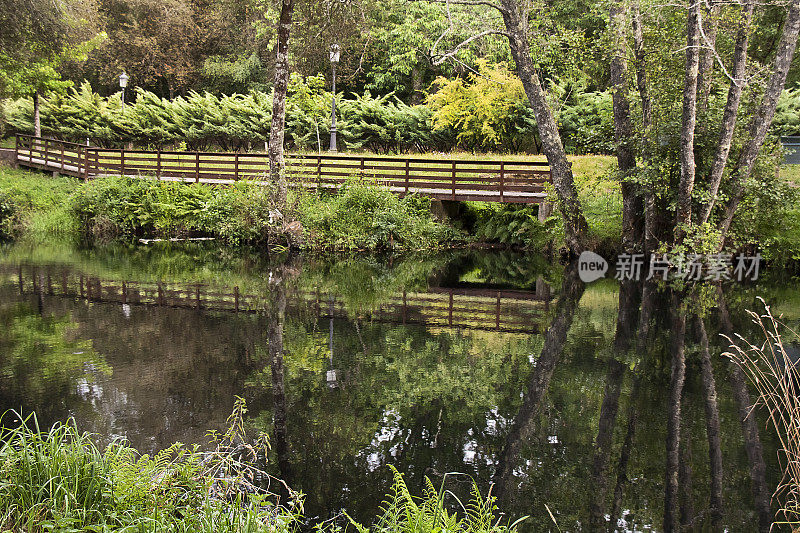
445, 209
545, 210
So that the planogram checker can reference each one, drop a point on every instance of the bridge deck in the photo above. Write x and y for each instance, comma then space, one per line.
444, 179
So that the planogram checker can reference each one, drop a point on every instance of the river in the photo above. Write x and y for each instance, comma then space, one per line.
497, 367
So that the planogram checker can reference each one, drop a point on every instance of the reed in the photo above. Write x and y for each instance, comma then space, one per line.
776, 379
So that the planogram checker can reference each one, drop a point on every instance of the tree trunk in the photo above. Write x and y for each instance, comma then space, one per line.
632, 204
677, 377
706, 67
652, 218
37, 122
712, 428
728, 126
575, 227
277, 172
762, 119
683, 215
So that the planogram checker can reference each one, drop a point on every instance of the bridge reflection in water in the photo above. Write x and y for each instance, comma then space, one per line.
511, 311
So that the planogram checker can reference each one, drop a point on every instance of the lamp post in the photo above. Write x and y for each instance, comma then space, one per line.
334, 55
123, 82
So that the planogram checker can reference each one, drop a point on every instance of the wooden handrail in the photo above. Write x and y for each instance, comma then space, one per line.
446, 179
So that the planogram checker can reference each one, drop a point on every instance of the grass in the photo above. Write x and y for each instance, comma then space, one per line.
57, 479
38, 205
776, 378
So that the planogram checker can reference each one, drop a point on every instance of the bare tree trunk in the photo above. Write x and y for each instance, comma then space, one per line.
683, 215
762, 119
37, 122
712, 427
652, 219
677, 377
706, 66
728, 126
575, 227
276, 134
632, 205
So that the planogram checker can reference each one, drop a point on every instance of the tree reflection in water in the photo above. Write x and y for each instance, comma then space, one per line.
589, 411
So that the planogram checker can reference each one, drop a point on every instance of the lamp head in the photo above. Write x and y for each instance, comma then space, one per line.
334, 54
123, 80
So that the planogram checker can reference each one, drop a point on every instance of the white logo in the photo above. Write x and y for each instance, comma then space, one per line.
591, 267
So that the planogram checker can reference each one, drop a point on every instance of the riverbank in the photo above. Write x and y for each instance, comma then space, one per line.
359, 217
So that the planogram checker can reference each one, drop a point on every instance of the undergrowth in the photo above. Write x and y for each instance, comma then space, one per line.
57, 479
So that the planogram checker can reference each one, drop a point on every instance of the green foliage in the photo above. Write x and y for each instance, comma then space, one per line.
585, 119
362, 216
787, 114
475, 113
513, 225
35, 205
57, 479
403, 513
487, 110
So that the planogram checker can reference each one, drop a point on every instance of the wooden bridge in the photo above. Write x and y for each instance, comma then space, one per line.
440, 178
511, 311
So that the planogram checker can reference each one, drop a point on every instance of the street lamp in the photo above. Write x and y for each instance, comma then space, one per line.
334, 54
123, 82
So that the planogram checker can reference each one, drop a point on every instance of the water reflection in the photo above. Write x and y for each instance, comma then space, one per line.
607, 403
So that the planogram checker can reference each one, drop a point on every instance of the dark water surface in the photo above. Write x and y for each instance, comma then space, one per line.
503, 367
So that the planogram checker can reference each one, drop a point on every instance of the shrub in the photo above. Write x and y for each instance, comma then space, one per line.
363, 216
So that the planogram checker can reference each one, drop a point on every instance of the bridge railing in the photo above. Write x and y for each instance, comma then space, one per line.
443, 178
52, 154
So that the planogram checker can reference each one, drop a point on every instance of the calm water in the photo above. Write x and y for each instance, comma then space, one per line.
502, 367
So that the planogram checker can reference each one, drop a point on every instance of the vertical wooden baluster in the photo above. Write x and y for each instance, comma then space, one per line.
197, 167
160, 295
453, 176
197, 295
46, 150
361, 170
16, 149
405, 312
62, 155
408, 164
122, 161
236, 298
319, 171
502, 178
124, 292
158, 164
236, 166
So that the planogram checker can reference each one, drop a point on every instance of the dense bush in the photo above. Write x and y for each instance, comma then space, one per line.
362, 216
787, 114
475, 114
